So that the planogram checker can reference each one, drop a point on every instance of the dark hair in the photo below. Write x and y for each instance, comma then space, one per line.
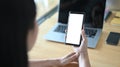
16, 18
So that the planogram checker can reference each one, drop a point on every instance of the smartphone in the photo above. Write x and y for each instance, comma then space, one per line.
113, 38
75, 25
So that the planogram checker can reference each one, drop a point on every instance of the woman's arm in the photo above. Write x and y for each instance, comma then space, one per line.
83, 53
44, 63
84, 60
83, 57
54, 62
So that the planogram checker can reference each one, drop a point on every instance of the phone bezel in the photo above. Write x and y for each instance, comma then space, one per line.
73, 12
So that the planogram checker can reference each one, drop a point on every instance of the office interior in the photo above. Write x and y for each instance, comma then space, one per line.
104, 55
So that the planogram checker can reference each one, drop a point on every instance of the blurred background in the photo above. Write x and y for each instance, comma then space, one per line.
46, 8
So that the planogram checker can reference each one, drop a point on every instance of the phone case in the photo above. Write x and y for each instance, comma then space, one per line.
113, 38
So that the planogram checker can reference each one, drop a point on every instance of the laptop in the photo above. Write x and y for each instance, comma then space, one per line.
93, 24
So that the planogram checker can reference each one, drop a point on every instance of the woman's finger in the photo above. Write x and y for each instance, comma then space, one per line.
83, 34
69, 59
70, 54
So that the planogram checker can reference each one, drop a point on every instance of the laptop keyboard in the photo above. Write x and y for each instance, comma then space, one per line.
88, 32
61, 28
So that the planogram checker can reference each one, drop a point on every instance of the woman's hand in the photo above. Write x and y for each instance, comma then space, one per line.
72, 57
83, 58
83, 46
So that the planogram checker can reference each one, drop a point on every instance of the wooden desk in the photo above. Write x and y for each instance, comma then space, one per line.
103, 55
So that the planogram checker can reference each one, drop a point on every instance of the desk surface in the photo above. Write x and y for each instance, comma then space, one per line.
103, 55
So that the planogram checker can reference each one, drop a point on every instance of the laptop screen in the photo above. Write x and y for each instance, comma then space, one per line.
93, 9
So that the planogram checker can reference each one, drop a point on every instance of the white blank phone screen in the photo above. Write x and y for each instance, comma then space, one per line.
74, 28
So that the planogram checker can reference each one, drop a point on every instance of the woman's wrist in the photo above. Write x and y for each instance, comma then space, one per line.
83, 54
84, 60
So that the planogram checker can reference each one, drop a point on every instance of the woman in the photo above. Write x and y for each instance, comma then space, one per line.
18, 35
